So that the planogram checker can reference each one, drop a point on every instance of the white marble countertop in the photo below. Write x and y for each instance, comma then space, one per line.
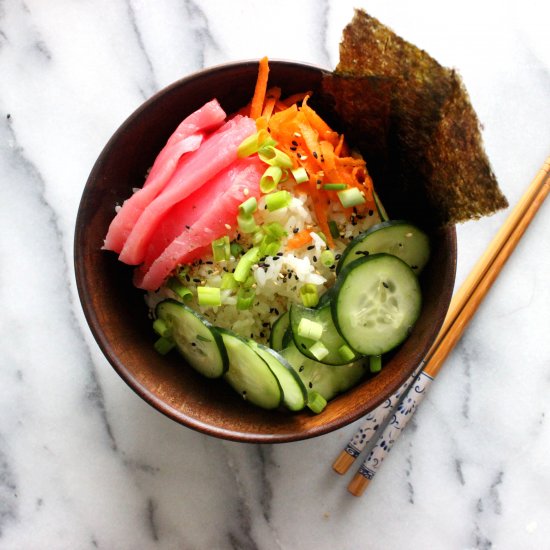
85, 463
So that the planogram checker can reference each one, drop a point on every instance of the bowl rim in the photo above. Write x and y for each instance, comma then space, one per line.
84, 293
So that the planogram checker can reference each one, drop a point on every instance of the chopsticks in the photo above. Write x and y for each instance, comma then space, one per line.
384, 424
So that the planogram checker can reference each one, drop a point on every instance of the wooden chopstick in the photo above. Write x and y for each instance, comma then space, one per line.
463, 306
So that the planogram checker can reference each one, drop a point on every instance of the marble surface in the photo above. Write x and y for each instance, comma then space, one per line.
84, 463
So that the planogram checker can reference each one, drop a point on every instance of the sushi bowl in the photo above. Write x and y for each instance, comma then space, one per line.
118, 317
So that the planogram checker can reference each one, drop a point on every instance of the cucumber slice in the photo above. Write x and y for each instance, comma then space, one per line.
376, 304
196, 339
398, 238
327, 380
248, 374
278, 330
330, 338
294, 391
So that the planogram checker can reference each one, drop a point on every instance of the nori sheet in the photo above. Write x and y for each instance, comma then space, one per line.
412, 120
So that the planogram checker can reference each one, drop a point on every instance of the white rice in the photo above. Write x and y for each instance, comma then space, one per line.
278, 279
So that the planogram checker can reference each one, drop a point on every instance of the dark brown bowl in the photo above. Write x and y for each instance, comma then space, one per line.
116, 311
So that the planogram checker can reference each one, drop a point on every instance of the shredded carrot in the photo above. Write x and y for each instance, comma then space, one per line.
257, 104
296, 98
312, 144
271, 98
300, 239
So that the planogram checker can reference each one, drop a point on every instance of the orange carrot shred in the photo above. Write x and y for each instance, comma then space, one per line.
298, 240
257, 104
271, 98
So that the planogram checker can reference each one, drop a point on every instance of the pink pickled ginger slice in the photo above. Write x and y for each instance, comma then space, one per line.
187, 137
243, 178
217, 151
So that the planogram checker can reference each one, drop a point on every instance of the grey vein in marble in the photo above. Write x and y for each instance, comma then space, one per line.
8, 489
27, 172
202, 35
151, 84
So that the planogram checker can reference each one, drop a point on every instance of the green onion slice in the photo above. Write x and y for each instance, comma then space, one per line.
160, 327
221, 249
327, 258
270, 179
319, 350
316, 402
274, 229
209, 296
235, 249
246, 262
310, 329
351, 197
333, 226
247, 223
277, 200
228, 282
164, 345
309, 296
245, 298
346, 353
334, 186
253, 143
274, 157
300, 175
375, 363
249, 206
175, 286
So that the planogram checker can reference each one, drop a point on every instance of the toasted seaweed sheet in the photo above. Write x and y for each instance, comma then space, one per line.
413, 121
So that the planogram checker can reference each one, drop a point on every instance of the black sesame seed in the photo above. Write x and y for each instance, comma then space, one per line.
311, 247
385, 285
338, 256
310, 385
301, 369
315, 154
295, 143
314, 259
371, 212
193, 344
295, 230
196, 280
303, 345
293, 148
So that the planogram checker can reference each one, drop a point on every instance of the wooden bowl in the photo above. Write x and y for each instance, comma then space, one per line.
116, 311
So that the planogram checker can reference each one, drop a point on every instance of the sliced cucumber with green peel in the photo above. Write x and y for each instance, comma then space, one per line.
294, 391
335, 349
197, 340
398, 238
376, 303
248, 374
277, 336
327, 380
